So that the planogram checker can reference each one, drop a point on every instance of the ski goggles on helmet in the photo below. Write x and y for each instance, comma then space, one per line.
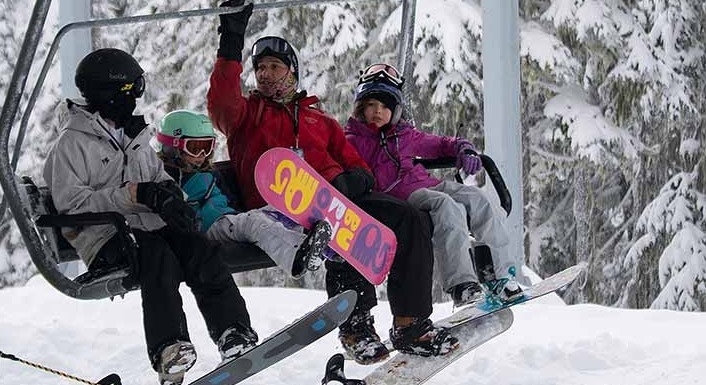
381, 71
191, 146
277, 47
272, 45
135, 88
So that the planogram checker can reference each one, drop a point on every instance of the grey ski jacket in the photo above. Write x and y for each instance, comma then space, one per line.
87, 170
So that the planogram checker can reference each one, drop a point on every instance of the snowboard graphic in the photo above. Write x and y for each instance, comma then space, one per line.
294, 188
548, 285
407, 369
285, 342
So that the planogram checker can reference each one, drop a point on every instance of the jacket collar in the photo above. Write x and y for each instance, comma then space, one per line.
81, 120
356, 127
301, 98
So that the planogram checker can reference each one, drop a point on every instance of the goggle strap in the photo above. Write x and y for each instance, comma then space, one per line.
170, 140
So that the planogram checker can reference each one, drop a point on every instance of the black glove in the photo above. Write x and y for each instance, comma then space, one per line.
178, 215
166, 199
232, 30
354, 183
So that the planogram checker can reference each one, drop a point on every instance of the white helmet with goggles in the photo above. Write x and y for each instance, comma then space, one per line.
186, 132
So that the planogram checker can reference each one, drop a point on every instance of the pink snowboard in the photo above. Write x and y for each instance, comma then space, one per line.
293, 187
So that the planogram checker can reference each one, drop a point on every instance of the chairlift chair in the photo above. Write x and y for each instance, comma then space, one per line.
31, 205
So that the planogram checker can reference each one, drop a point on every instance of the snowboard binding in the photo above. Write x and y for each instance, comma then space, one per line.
334, 372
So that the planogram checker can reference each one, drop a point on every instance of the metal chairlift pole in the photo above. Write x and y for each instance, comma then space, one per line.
501, 107
405, 53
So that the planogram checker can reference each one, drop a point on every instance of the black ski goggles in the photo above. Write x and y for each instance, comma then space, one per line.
274, 46
135, 88
381, 71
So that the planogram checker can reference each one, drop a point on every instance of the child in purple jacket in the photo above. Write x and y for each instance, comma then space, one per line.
389, 146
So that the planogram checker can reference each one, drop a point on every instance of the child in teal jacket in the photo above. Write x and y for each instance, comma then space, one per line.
185, 143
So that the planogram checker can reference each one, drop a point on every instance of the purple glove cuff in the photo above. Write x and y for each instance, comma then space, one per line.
464, 144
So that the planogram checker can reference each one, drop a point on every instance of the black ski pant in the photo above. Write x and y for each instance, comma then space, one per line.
410, 279
167, 257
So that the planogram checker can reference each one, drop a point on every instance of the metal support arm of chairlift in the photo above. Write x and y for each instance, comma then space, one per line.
37, 250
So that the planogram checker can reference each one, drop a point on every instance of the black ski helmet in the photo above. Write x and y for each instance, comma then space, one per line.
277, 47
105, 72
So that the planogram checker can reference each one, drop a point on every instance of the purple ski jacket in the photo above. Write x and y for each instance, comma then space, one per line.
390, 154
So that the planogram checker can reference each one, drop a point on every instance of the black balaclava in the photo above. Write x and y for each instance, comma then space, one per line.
118, 108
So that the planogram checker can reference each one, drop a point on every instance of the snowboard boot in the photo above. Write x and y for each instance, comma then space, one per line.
359, 339
309, 256
174, 360
235, 341
467, 293
422, 338
505, 289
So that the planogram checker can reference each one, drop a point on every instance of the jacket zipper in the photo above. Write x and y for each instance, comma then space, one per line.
114, 143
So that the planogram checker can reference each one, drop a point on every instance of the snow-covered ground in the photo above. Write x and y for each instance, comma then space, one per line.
549, 343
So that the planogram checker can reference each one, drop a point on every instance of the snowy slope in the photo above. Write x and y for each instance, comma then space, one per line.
548, 343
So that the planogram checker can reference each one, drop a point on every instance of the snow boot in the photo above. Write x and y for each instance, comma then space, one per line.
235, 341
359, 339
422, 338
467, 293
505, 289
174, 361
310, 254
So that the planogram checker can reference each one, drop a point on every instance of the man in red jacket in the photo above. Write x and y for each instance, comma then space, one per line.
276, 114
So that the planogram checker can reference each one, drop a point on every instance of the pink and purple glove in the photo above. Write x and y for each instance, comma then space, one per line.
465, 160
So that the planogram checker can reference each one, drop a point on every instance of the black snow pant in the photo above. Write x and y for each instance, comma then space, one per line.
410, 279
168, 257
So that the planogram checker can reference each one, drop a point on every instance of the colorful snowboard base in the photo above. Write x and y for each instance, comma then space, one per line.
293, 187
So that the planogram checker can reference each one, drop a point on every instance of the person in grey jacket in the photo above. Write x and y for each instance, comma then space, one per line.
102, 161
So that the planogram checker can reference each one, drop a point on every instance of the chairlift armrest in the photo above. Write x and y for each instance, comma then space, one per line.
490, 168
127, 238
92, 219
436, 163
85, 219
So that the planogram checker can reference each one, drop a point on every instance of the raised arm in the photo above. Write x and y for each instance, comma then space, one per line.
226, 103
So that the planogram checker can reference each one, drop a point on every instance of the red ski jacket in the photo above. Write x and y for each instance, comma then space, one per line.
254, 124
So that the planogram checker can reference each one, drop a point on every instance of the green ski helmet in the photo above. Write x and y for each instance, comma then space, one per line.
184, 131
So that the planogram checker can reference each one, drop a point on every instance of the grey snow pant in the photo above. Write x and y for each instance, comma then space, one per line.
277, 236
455, 209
